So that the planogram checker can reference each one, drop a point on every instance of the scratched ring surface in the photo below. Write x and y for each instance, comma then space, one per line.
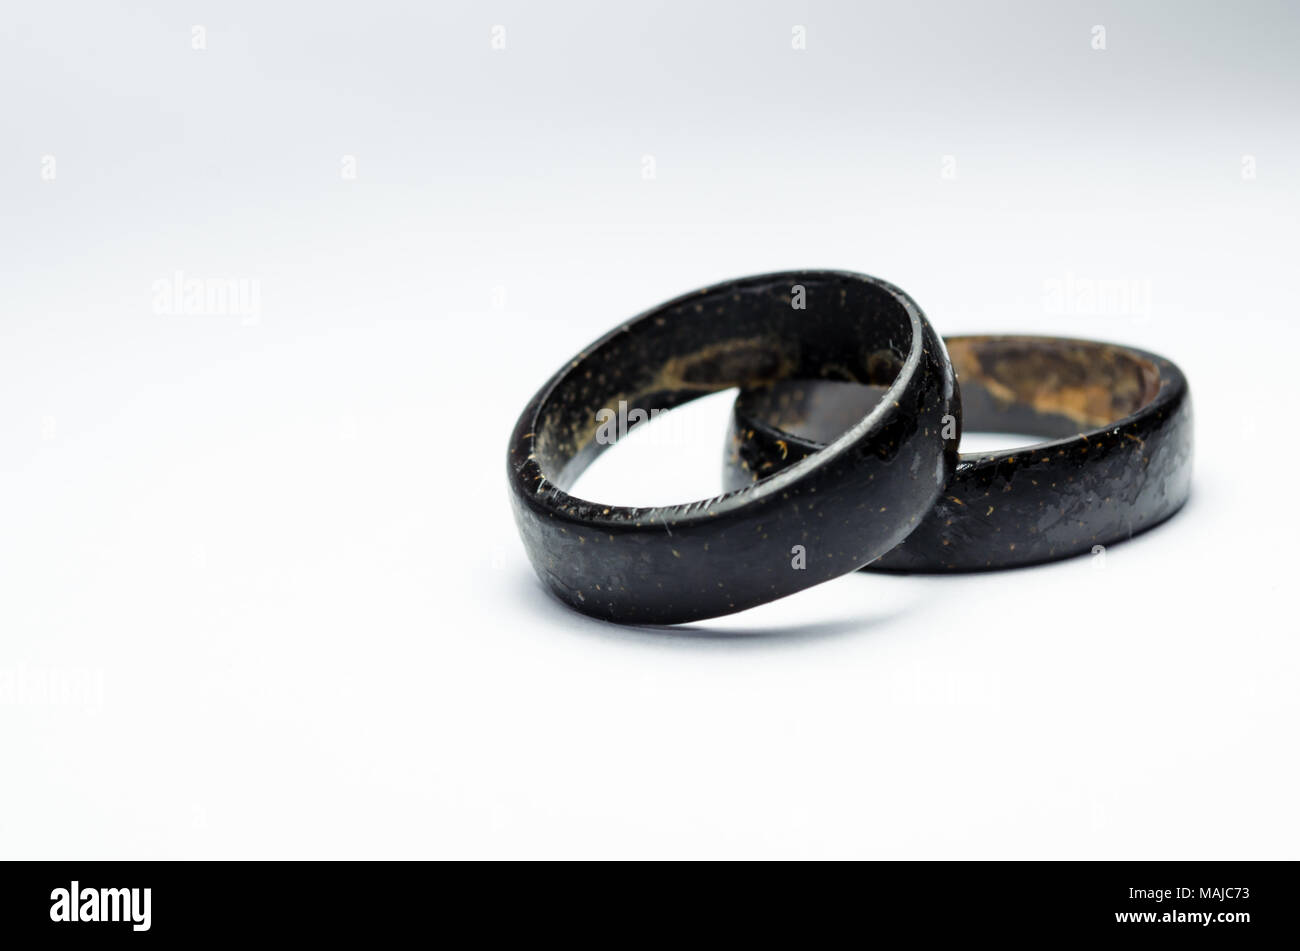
832, 512
1117, 460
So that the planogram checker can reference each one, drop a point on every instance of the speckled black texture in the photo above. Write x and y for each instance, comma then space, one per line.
845, 505
1119, 460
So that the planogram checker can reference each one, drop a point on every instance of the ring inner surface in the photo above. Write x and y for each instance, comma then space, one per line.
1044, 387
747, 334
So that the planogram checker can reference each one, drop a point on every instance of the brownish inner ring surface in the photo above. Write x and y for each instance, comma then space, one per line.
1039, 386
1093, 384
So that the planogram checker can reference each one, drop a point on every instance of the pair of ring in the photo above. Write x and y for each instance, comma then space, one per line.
843, 450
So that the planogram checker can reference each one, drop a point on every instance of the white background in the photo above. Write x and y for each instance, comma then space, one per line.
260, 591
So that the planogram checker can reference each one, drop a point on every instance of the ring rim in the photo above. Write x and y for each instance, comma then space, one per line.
955, 539
542, 502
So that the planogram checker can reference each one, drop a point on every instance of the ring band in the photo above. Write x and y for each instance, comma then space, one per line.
1119, 459
843, 507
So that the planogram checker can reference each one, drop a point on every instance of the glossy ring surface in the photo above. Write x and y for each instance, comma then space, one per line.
824, 515
1117, 460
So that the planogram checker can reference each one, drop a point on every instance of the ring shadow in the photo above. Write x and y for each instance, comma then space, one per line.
694, 633
534, 589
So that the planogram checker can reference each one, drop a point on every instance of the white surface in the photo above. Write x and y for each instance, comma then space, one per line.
260, 592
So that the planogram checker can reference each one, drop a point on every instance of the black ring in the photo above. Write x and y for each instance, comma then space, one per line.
664, 565
1119, 460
